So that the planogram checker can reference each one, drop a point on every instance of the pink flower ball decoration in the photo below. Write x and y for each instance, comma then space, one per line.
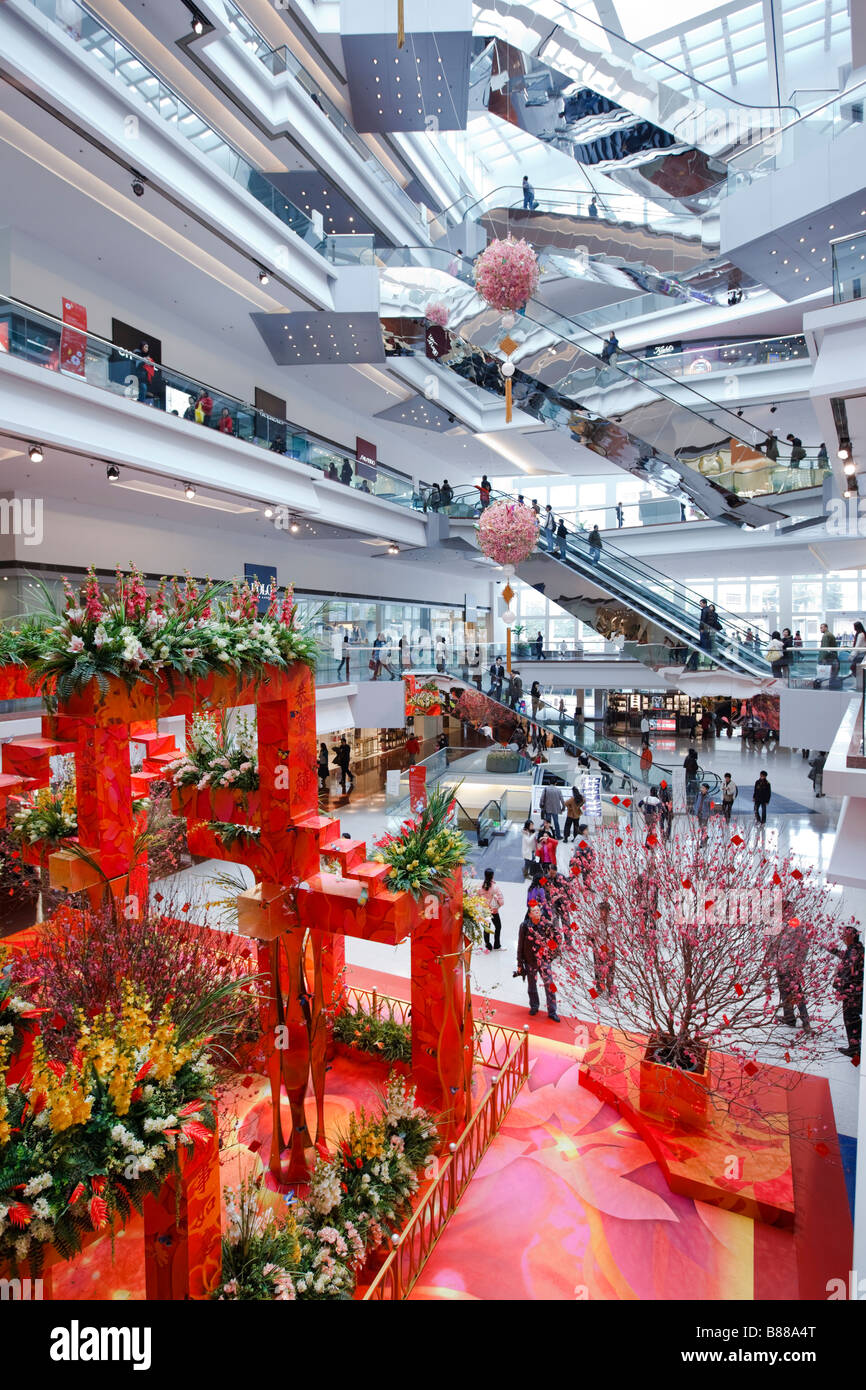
506, 274
507, 532
437, 313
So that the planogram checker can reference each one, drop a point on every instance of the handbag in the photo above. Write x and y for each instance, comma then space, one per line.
823, 672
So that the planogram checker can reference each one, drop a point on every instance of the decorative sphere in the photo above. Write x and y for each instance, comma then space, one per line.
507, 369
509, 617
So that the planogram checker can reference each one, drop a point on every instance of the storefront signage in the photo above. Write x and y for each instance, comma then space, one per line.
365, 459
262, 579
663, 723
663, 349
437, 341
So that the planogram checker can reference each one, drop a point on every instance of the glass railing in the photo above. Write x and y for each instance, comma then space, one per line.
35, 337
576, 381
144, 86
813, 134
849, 268
281, 60
821, 668
599, 58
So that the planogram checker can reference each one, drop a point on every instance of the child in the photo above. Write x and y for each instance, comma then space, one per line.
546, 850
530, 840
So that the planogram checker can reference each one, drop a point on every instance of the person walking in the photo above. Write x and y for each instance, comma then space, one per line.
530, 202
345, 654
535, 697
446, 493
603, 952
484, 491
385, 656
529, 845
652, 809
440, 654
322, 767
729, 795
645, 731
816, 773
552, 805
703, 807
561, 539
858, 650
592, 210
667, 811
413, 748
536, 949
562, 716
539, 647
776, 654
342, 757
515, 690
761, 797
492, 895
594, 543
573, 808
690, 764
620, 515
771, 447
848, 988
792, 949
797, 450
346, 473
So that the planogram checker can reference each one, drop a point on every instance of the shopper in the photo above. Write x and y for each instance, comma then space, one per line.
603, 951
535, 697
583, 862
610, 349
592, 210
347, 473
539, 646
594, 543
776, 654
816, 772
494, 899
645, 731
322, 766
858, 650
530, 201
561, 539
515, 690
528, 847
536, 949
552, 805
761, 797
484, 490
441, 654
729, 795
703, 807
573, 808
771, 447
848, 988
342, 758
446, 493
204, 408
792, 949
384, 657
345, 654
691, 768
562, 716
546, 847
413, 748
797, 450
225, 424
667, 811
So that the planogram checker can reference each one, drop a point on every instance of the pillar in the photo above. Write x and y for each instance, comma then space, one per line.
442, 1038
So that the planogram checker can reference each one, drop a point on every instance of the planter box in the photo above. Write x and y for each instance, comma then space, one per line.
666, 1089
217, 803
205, 843
182, 695
342, 1049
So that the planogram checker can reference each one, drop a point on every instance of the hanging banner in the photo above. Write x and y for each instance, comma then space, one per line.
417, 789
73, 338
590, 785
4, 337
365, 459
437, 341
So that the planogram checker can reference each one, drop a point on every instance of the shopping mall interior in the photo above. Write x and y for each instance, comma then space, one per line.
432, 763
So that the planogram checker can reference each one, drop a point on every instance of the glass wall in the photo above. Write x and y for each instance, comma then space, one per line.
609, 501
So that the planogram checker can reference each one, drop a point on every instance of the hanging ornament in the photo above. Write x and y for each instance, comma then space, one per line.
401, 24
508, 345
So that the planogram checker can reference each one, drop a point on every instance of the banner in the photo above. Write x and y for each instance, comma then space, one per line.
4, 337
590, 785
365, 459
73, 338
262, 579
417, 788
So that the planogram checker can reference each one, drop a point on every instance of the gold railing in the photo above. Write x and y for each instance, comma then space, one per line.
376, 1004
398, 1275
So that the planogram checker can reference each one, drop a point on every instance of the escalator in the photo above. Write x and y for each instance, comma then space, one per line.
614, 760
573, 83
641, 419
614, 588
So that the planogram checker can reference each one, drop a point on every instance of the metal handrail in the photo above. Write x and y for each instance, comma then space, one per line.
401, 1270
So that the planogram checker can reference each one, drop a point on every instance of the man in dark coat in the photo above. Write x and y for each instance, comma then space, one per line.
536, 947
848, 986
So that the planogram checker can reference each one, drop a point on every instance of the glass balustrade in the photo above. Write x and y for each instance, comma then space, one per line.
36, 337
849, 268
144, 86
814, 134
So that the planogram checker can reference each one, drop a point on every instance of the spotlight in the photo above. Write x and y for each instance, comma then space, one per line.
294, 527
36, 454
773, 409
138, 187
269, 511
740, 413
264, 277
844, 450
393, 549
197, 24
189, 492
851, 492
112, 472
850, 469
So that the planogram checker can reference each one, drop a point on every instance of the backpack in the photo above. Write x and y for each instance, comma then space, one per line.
775, 651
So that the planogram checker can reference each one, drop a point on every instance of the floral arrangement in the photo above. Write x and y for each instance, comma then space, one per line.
83, 1141
18, 1013
507, 532
424, 699
385, 1037
356, 1201
506, 274
46, 815
477, 920
74, 968
475, 708
437, 313
425, 853
131, 633
217, 756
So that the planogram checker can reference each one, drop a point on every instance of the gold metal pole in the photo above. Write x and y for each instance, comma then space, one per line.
508, 595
